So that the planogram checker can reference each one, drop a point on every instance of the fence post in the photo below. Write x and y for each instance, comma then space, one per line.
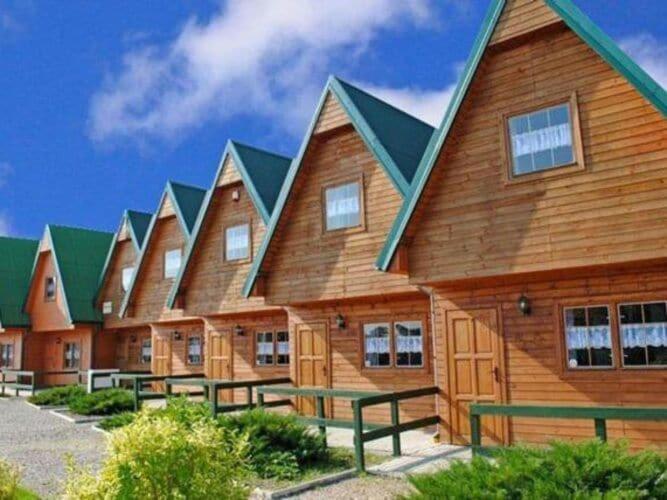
260, 399
248, 396
475, 432
320, 414
136, 389
3, 382
214, 401
32, 384
601, 429
358, 431
396, 437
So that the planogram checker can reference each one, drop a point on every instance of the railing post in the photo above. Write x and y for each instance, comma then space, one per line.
475, 431
207, 392
358, 431
260, 399
32, 384
601, 429
248, 396
214, 401
168, 388
320, 414
136, 389
396, 437
3, 382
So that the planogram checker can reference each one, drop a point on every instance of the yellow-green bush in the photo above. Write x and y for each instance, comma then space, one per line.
9, 480
161, 458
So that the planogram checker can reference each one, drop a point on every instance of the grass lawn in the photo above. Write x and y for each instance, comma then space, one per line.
340, 459
24, 494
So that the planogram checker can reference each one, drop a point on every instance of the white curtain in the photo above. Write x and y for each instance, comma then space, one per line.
283, 347
194, 346
582, 337
343, 206
641, 335
409, 337
127, 277
172, 263
377, 338
543, 139
237, 242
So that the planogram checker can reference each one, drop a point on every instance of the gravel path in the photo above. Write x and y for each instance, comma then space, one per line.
360, 488
38, 441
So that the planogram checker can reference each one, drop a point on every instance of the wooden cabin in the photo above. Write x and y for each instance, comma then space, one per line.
16, 259
133, 350
177, 341
244, 337
350, 325
64, 335
537, 221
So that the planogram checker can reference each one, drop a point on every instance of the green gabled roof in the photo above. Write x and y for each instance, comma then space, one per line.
395, 138
578, 22
262, 173
187, 202
16, 259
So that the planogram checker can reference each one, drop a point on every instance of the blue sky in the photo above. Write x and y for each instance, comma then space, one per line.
102, 102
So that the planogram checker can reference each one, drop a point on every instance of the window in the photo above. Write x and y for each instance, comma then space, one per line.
237, 242
72, 355
409, 345
7, 355
126, 278
50, 288
107, 307
643, 329
194, 350
282, 348
172, 263
146, 351
541, 140
588, 337
264, 348
343, 206
376, 343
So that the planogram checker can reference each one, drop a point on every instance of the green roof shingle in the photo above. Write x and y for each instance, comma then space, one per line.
16, 260
138, 222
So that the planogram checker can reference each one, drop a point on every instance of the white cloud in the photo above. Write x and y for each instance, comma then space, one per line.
5, 171
5, 224
262, 57
650, 53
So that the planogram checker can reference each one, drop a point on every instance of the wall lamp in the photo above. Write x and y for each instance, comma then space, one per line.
524, 305
239, 331
133, 339
340, 321
177, 335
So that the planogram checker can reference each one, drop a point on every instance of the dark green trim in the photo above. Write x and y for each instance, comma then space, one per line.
584, 412
168, 192
316, 391
586, 29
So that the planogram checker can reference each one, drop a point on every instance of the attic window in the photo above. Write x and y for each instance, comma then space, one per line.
107, 307
50, 288
126, 278
343, 206
172, 263
237, 242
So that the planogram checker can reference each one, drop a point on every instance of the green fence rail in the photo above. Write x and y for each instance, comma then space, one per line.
599, 415
213, 386
363, 431
17, 380
139, 381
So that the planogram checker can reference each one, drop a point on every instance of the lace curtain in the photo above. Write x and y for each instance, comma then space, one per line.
583, 337
641, 335
409, 337
236, 242
543, 139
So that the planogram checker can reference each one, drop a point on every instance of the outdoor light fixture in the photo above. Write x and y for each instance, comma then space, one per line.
239, 331
340, 321
236, 195
524, 305
59, 340
133, 339
177, 335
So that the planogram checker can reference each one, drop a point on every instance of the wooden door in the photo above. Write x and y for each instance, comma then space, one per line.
219, 363
475, 372
161, 359
313, 362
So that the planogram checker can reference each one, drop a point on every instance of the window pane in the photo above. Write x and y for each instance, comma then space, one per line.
126, 277
655, 312
644, 333
146, 351
409, 343
194, 350
237, 242
7, 355
282, 348
50, 288
588, 337
342, 206
376, 344
172, 263
72, 355
264, 348
107, 307
541, 140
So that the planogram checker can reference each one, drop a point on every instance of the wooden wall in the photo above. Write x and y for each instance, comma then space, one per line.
14, 336
178, 363
308, 264
472, 222
535, 356
46, 315
347, 370
521, 17
213, 284
125, 255
128, 352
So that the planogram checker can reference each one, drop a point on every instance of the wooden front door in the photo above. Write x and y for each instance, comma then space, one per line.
219, 363
161, 358
313, 362
475, 372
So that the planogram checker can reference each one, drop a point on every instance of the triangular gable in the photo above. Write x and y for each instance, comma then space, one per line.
262, 174
133, 226
16, 260
186, 202
395, 138
78, 258
580, 24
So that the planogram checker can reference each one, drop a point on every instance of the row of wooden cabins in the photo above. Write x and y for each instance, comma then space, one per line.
515, 254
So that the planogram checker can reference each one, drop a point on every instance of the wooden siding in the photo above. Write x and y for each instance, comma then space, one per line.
178, 362
125, 255
230, 173
213, 285
535, 362
332, 115
472, 222
521, 17
128, 348
346, 364
306, 263
46, 315
14, 336
167, 208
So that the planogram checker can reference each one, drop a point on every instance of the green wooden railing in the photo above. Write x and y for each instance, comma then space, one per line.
138, 382
599, 415
213, 386
363, 431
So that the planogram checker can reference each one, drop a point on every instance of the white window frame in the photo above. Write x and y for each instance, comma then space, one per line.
141, 351
360, 203
199, 336
123, 288
611, 338
7, 362
47, 296
620, 336
264, 333
107, 307
277, 345
248, 248
76, 353
373, 325
166, 255
396, 336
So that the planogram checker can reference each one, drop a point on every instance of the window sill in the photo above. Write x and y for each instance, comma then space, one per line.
561, 171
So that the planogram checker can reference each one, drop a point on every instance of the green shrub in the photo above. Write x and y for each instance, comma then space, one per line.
280, 446
57, 396
585, 470
161, 458
184, 411
9, 480
117, 421
104, 402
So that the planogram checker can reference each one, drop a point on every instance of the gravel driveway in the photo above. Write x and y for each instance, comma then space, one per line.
38, 441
